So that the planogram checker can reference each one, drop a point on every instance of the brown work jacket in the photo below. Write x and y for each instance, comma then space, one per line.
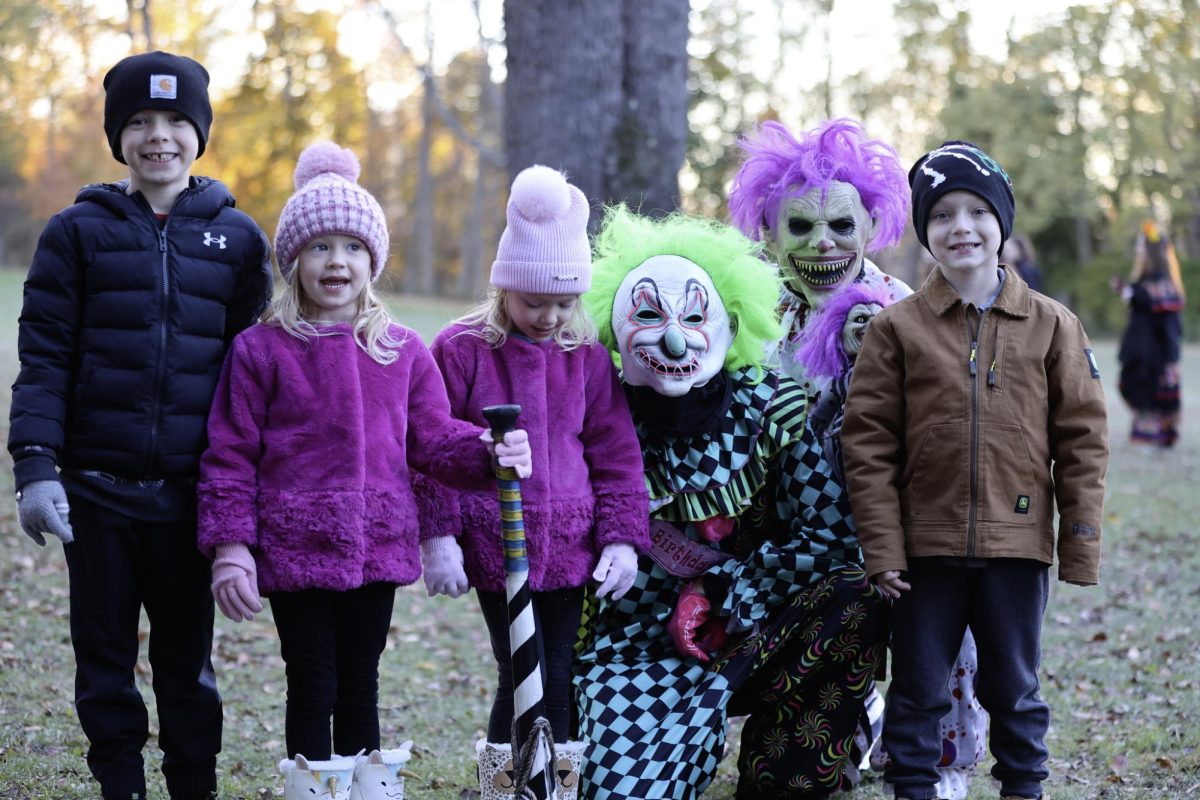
963, 429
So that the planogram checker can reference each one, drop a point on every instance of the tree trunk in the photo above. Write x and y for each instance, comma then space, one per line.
481, 234
418, 267
598, 89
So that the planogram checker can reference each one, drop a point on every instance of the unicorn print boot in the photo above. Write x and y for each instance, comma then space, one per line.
316, 780
380, 774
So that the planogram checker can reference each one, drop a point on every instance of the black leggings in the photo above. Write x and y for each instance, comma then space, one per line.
331, 642
117, 566
557, 613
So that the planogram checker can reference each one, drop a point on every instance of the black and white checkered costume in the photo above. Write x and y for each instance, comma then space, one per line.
806, 629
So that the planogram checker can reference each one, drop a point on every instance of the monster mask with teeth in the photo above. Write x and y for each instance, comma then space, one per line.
821, 201
820, 239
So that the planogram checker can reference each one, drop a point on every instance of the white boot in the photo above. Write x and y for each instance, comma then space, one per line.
380, 774
317, 780
567, 769
496, 776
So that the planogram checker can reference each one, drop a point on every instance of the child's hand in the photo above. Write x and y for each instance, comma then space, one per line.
616, 570
42, 508
442, 567
513, 452
235, 582
890, 584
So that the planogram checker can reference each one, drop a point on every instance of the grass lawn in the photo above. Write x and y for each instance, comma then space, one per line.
1121, 667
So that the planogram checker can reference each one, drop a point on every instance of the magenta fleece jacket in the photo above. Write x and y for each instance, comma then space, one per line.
587, 488
311, 447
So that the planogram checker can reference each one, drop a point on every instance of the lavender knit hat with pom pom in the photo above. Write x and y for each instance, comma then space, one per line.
544, 249
328, 200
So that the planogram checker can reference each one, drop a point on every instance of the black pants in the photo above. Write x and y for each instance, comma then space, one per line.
331, 643
117, 565
1003, 603
557, 614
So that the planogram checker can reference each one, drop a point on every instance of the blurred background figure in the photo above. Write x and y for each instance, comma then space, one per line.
1018, 251
1150, 346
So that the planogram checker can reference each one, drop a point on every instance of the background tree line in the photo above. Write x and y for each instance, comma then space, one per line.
1095, 114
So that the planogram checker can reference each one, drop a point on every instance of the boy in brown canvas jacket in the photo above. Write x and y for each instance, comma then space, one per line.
975, 407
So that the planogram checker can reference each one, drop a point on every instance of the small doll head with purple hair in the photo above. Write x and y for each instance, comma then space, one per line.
821, 201
834, 333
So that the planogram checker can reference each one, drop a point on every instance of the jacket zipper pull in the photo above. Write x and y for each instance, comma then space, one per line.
971, 363
162, 241
992, 375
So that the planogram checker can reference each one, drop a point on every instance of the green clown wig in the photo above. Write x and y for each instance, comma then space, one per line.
748, 285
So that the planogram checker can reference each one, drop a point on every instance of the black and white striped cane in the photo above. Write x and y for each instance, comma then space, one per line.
532, 739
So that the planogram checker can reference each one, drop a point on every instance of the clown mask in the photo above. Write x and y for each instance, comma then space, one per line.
819, 240
671, 326
855, 327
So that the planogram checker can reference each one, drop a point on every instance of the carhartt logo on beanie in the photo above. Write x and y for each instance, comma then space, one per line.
544, 248
328, 200
955, 166
159, 81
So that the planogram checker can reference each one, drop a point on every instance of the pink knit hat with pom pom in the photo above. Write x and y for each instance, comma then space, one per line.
544, 249
328, 200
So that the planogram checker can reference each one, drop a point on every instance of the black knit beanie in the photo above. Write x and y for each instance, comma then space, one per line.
159, 81
958, 165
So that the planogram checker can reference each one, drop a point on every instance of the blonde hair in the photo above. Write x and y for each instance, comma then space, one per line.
371, 327
492, 316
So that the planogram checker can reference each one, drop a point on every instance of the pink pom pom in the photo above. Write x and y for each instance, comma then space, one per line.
321, 158
540, 193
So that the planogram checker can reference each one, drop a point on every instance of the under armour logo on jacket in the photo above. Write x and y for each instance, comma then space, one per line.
210, 240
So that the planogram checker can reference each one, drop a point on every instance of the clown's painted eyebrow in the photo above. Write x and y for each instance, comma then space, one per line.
646, 285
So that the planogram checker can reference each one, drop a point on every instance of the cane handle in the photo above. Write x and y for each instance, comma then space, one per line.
502, 418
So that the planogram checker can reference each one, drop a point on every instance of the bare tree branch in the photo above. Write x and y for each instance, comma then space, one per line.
443, 112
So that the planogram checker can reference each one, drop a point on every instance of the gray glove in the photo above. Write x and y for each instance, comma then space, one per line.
42, 508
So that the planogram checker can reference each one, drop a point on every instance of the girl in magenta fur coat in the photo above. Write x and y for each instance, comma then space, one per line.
586, 508
321, 413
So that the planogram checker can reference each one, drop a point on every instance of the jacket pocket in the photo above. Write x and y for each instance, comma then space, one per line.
1008, 490
936, 487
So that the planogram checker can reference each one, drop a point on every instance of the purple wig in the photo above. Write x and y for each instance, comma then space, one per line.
820, 349
777, 167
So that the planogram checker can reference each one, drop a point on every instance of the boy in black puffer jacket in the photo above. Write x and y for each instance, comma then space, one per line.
134, 294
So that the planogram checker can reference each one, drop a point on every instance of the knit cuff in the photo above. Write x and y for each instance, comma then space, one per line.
39, 466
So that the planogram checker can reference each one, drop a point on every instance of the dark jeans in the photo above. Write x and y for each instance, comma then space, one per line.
117, 565
557, 614
331, 642
1003, 603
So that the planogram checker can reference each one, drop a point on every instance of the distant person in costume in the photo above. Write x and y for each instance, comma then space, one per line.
752, 600
1151, 344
